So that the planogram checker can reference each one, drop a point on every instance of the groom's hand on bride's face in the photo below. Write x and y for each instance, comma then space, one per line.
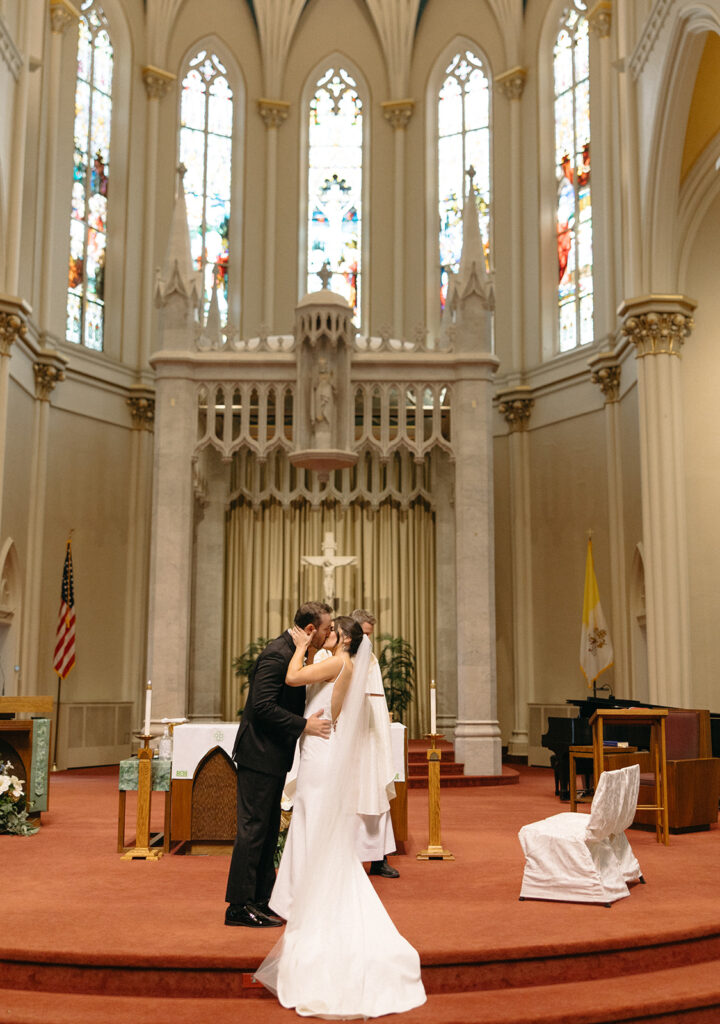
316, 725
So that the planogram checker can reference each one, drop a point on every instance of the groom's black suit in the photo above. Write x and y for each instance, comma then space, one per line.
271, 723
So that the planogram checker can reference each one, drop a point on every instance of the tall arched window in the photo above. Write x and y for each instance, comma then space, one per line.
334, 198
571, 75
88, 221
463, 141
206, 124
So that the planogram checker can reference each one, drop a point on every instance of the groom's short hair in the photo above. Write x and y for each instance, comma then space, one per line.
310, 614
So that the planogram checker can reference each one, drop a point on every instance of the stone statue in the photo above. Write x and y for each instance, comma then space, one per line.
322, 406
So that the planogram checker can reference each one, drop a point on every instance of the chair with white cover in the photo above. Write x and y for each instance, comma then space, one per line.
580, 857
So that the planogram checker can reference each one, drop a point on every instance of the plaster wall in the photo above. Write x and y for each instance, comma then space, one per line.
700, 368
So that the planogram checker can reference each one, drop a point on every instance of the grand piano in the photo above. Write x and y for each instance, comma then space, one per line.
564, 733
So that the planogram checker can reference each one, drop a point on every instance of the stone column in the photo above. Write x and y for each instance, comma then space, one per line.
445, 585
62, 15
49, 368
142, 411
601, 153
477, 734
274, 113
606, 373
171, 543
398, 113
516, 406
658, 326
211, 494
157, 84
512, 85
13, 325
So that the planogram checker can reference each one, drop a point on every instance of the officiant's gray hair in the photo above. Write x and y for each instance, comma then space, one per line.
362, 615
310, 614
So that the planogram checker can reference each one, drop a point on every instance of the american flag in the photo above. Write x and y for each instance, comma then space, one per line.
64, 657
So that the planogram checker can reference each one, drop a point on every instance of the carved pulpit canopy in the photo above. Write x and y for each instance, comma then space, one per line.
324, 336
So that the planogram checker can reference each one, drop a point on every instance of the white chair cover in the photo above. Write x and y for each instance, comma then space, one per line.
583, 858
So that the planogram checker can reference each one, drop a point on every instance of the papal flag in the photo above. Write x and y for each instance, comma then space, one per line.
596, 652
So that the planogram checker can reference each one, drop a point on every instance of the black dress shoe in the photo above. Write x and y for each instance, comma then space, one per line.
246, 916
383, 869
264, 909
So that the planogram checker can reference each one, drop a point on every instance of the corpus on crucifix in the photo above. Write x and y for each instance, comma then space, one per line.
325, 274
329, 562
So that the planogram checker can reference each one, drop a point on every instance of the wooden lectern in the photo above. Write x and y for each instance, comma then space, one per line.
655, 718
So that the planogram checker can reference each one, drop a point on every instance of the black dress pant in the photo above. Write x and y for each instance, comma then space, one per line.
252, 867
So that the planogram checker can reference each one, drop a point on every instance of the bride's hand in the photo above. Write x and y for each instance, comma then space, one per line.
301, 639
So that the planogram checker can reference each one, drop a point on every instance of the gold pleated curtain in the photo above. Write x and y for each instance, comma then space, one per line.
394, 578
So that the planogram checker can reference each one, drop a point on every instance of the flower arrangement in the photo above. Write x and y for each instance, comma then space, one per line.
13, 816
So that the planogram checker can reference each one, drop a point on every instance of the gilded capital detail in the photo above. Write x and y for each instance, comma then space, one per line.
516, 407
12, 327
398, 112
142, 410
512, 83
62, 14
657, 324
607, 376
46, 377
273, 112
600, 18
157, 82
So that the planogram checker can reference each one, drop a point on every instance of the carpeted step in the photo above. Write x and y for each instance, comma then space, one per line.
681, 995
446, 768
509, 777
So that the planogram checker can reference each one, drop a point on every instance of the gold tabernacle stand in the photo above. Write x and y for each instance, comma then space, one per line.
142, 850
435, 849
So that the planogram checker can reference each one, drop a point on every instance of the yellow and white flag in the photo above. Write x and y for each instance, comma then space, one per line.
596, 651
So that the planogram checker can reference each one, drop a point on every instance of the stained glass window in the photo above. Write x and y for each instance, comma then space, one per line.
206, 121
88, 220
463, 140
572, 167
335, 167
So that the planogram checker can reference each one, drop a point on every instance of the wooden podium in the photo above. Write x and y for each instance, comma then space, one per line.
27, 744
655, 718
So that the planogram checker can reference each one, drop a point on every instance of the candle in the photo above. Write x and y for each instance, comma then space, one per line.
148, 701
433, 707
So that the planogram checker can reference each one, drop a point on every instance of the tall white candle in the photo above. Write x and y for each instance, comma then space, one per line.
433, 707
148, 702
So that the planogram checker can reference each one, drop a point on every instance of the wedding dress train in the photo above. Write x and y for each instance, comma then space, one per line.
340, 956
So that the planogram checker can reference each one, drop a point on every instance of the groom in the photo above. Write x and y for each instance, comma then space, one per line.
271, 723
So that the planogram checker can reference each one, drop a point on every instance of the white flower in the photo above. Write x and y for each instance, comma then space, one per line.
17, 787
4, 783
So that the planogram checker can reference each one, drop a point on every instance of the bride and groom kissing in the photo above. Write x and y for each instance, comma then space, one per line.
340, 954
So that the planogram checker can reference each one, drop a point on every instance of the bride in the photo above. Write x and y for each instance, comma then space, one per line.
340, 956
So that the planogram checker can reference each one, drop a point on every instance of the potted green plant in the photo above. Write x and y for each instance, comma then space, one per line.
243, 665
397, 666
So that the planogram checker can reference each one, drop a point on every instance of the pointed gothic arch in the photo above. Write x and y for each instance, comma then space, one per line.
10, 616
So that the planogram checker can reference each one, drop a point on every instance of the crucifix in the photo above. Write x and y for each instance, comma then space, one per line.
329, 562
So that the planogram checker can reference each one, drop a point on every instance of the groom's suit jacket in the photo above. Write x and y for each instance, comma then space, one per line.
273, 717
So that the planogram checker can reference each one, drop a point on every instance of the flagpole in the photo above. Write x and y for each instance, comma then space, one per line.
57, 725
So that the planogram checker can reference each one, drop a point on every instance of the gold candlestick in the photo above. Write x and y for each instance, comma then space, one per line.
435, 849
142, 850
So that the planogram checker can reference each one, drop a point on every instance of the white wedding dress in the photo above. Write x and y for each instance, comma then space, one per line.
340, 956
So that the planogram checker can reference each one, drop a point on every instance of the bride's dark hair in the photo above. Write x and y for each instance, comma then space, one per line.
352, 629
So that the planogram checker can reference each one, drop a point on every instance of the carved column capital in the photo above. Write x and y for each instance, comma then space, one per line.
157, 82
600, 18
47, 375
12, 327
142, 410
62, 14
516, 405
606, 373
398, 112
512, 83
273, 112
657, 324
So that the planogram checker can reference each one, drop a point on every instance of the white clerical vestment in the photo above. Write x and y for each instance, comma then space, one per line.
375, 834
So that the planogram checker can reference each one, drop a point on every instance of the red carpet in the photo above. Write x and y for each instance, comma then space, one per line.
90, 939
